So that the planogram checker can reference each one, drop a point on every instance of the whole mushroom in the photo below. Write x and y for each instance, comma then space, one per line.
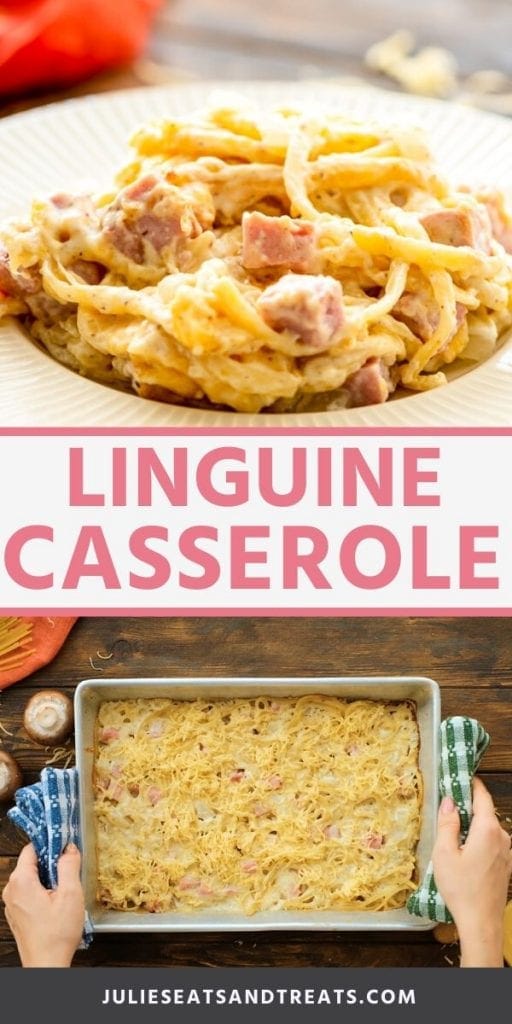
48, 717
10, 776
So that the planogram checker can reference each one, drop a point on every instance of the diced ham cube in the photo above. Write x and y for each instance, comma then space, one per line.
191, 884
310, 306
237, 775
332, 832
204, 889
277, 242
274, 782
62, 200
154, 795
127, 241
249, 866
89, 270
369, 385
160, 232
7, 282
108, 734
26, 282
116, 791
154, 213
421, 314
500, 217
352, 749
261, 810
153, 906
374, 840
461, 313
142, 188
116, 769
458, 227
187, 883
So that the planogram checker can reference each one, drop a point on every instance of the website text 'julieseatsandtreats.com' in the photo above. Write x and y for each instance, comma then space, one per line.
258, 997
256, 541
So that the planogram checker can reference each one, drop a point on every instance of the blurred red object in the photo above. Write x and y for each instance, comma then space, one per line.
54, 42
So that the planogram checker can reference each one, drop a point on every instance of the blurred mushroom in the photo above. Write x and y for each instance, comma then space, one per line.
10, 776
48, 717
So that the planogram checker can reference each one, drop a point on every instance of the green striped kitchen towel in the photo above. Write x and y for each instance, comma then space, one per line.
463, 744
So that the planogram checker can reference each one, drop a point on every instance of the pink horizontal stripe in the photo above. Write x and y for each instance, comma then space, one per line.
242, 613
256, 431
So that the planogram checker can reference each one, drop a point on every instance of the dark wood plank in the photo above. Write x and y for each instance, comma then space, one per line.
494, 712
267, 950
261, 951
328, 29
455, 652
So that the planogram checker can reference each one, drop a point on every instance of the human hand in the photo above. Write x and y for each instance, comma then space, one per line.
473, 879
47, 925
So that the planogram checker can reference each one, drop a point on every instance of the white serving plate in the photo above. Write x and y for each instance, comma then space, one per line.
91, 693
80, 143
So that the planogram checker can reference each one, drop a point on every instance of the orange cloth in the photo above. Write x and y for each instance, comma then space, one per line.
53, 42
48, 636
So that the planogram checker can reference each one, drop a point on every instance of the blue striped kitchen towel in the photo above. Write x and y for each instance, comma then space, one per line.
463, 744
48, 812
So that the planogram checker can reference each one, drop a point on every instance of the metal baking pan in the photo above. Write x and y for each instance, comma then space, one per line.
91, 693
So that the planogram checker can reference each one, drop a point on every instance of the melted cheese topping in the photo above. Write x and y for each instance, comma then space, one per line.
309, 803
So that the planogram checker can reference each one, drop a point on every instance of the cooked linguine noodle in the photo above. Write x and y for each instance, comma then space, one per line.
271, 260
247, 805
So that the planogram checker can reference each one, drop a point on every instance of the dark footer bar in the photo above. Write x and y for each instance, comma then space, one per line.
204, 994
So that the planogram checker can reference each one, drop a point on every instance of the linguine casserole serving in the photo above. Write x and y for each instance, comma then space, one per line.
249, 805
266, 260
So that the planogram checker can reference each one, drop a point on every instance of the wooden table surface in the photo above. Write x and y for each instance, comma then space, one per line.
283, 39
470, 658
277, 39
